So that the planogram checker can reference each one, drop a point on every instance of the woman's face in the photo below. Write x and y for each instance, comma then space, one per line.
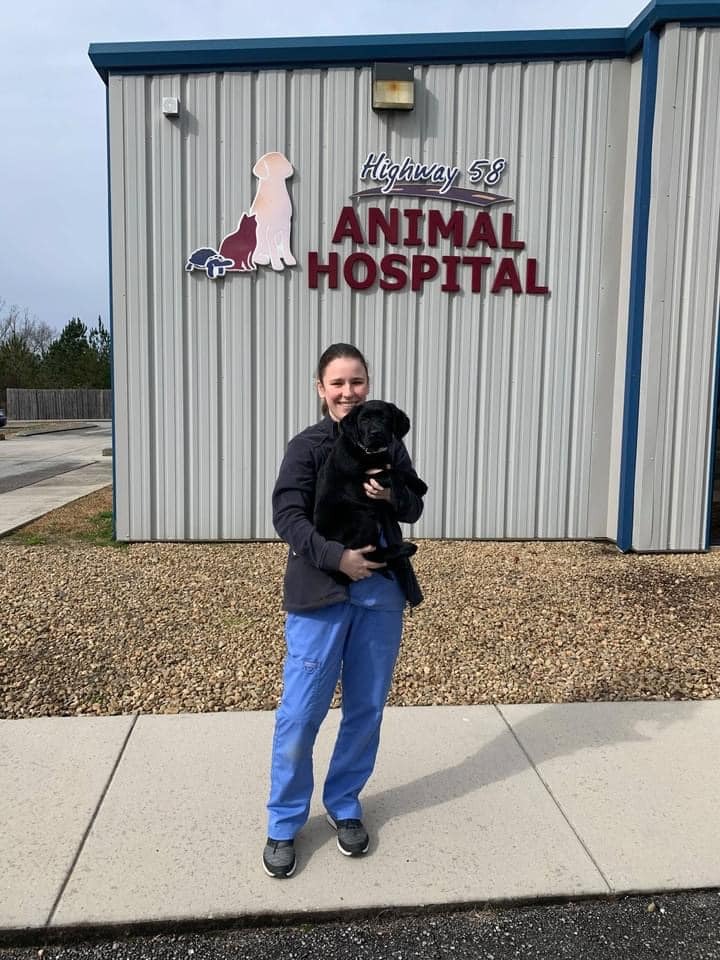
344, 384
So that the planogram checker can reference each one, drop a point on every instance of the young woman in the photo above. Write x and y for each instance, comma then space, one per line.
332, 631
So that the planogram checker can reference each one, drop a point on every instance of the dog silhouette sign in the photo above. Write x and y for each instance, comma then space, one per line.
262, 236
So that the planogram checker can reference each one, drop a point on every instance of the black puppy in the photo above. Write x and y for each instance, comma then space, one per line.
343, 511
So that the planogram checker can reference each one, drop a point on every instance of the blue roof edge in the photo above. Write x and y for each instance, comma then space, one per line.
181, 56
295, 52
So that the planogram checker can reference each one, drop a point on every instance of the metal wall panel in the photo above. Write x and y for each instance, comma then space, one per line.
675, 437
511, 396
238, 397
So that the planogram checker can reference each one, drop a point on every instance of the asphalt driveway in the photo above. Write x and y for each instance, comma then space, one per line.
26, 460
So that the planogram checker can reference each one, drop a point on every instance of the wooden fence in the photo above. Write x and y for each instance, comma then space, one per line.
59, 404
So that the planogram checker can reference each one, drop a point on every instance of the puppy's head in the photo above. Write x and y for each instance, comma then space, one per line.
371, 426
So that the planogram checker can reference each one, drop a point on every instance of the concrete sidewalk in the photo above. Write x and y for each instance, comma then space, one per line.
68, 464
137, 820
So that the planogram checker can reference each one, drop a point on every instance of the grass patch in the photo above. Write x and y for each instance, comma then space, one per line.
29, 427
29, 539
98, 530
87, 520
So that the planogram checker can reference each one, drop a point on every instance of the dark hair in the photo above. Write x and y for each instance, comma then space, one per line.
339, 351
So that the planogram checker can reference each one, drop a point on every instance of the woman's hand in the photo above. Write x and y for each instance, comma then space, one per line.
354, 563
373, 489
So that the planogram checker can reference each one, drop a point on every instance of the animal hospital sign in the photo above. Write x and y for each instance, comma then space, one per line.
472, 265
484, 253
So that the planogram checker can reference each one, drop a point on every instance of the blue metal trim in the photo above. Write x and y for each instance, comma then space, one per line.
183, 56
187, 56
110, 319
714, 447
636, 310
660, 12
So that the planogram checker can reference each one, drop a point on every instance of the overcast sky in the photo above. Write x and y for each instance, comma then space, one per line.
53, 188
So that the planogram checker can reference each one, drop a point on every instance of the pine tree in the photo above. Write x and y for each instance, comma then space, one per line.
19, 364
69, 359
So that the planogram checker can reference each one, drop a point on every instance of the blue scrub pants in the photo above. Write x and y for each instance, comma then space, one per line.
359, 645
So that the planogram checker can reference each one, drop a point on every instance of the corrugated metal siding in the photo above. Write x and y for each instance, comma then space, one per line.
681, 307
511, 398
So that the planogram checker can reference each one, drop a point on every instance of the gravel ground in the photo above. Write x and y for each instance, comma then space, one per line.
665, 927
165, 628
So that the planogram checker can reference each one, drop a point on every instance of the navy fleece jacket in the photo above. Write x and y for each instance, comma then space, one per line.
312, 560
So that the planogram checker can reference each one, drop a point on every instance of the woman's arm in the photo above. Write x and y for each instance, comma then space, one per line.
406, 497
293, 501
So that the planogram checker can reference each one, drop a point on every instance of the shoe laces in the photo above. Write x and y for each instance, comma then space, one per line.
279, 843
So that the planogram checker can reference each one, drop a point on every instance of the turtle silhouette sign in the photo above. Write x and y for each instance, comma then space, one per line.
262, 236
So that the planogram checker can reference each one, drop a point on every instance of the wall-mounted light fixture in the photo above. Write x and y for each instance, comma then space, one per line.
393, 86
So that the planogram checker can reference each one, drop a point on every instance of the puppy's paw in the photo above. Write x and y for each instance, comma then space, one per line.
384, 478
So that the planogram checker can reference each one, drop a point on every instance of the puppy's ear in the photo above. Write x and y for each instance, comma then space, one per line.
349, 424
401, 423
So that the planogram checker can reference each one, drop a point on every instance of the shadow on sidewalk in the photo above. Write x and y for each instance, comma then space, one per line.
501, 759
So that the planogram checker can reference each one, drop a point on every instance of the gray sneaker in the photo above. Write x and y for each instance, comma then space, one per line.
352, 837
279, 858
